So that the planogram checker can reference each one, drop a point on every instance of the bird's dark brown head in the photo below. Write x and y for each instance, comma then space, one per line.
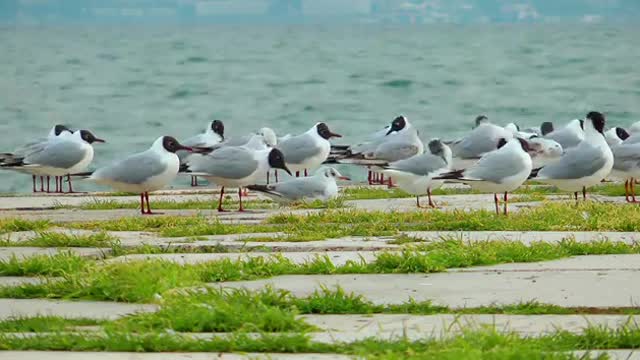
397, 124
622, 133
598, 121
276, 160
324, 132
172, 145
436, 147
546, 127
480, 119
59, 129
87, 136
218, 127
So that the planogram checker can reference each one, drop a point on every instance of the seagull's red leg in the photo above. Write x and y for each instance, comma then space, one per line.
240, 196
305, 173
418, 201
381, 179
626, 190
430, 201
146, 196
33, 177
70, 186
41, 183
276, 171
369, 179
297, 173
495, 200
142, 204
48, 184
268, 177
220, 209
584, 193
506, 202
390, 183
633, 190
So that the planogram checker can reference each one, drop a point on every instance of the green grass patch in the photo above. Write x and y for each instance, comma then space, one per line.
61, 264
16, 225
44, 324
489, 343
553, 216
56, 239
141, 281
216, 310
98, 204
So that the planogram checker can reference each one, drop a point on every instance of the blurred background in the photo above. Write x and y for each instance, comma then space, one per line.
133, 70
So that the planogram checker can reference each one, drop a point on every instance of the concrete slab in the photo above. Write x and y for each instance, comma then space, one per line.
10, 308
19, 280
66, 355
570, 287
622, 354
338, 258
626, 262
350, 328
527, 237
20, 252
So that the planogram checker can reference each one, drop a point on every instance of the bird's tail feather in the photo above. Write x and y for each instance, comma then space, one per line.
263, 189
451, 175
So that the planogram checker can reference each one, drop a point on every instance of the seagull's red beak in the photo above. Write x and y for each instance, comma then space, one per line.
344, 178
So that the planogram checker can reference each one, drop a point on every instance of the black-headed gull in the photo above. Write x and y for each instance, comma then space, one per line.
213, 135
309, 150
321, 186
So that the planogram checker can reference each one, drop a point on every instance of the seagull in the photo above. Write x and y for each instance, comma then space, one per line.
213, 135
626, 166
400, 141
237, 166
31, 147
144, 172
498, 171
321, 186
482, 139
415, 174
583, 165
60, 156
308, 150
569, 136
615, 136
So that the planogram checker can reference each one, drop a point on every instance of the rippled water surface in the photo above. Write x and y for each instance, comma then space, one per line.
133, 84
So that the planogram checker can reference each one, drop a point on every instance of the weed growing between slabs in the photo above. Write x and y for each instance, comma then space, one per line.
141, 281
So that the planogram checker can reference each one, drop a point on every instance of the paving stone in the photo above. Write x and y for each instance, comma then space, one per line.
350, 328
69, 309
65, 355
338, 258
622, 354
569, 287
21, 252
624, 262
19, 280
528, 237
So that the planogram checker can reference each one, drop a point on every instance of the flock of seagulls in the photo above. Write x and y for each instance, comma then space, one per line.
490, 158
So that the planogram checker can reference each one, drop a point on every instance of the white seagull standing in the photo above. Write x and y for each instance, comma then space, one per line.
237, 166
499, 171
400, 142
321, 186
144, 172
626, 166
214, 135
309, 150
34, 146
584, 165
60, 156
415, 174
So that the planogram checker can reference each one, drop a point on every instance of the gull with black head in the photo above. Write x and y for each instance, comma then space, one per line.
144, 172
213, 135
309, 150
236, 166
